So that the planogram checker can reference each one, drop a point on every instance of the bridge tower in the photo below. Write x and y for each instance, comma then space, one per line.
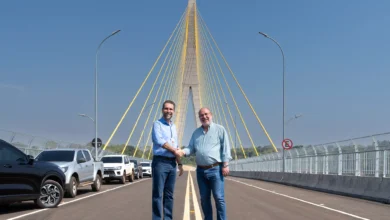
190, 91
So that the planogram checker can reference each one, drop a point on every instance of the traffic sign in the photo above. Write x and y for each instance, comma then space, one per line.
287, 144
99, 142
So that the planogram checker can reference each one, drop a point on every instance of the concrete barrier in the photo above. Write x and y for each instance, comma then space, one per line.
369, 188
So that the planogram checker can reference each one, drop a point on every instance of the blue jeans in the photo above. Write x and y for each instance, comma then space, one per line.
211, 180
164, 178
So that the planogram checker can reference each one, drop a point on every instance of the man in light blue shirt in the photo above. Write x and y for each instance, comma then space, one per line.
165, 156
210, 144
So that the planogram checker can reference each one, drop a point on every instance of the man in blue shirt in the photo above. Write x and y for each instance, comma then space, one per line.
211, 146
165, 155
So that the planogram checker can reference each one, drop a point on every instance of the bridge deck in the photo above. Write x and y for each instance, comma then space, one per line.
246, 199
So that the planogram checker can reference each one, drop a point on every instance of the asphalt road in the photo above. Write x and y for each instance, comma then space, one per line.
246, 199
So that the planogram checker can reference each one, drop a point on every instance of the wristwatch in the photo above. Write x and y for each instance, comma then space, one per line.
224, 166
180, 164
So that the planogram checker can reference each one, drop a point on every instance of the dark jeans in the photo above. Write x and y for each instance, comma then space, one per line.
212, 180
164, 178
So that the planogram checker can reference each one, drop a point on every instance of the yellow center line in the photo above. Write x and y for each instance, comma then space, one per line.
190, 189
198, 215
186, 214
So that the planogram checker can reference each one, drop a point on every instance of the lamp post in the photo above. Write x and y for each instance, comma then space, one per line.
266, 36
96, 92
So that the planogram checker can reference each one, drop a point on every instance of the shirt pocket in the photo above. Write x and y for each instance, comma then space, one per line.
213, 140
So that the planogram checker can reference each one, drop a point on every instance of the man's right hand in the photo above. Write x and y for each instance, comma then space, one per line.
179, 153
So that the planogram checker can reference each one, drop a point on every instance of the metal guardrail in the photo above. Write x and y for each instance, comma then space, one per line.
362, 156
33, 145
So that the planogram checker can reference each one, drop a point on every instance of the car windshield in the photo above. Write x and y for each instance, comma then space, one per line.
112, 159
145, 164
134, 161
57, 156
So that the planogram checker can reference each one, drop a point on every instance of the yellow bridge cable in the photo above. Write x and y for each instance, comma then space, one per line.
239, 112
173, 70
213, 81
223, 93
164, 94
160, 100
184, 57
176, 48
219, 98
242, 91
150, 92
181, 64
209, 87
142, 85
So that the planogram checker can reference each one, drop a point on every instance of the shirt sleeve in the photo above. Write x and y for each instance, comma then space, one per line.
157, 136
225, 151
190, 149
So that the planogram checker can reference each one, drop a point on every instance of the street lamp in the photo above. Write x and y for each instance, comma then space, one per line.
86, 116
265, 35
292, 118
96, 90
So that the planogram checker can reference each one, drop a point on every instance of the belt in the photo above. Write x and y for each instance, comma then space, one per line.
209, 166
165, 158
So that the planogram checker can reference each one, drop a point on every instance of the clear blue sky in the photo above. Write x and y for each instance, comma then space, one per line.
337, 63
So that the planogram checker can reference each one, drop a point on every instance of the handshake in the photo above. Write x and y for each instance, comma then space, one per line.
179, 153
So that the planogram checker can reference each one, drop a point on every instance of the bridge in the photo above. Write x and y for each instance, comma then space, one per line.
346, 179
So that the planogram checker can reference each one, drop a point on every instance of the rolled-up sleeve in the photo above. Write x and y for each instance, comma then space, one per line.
190, 148
225, 151
157, 136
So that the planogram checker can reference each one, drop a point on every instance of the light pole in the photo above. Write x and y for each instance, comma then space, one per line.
265, 35
96, 91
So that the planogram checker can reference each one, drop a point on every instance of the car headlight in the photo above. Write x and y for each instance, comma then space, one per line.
64, 169
117, 168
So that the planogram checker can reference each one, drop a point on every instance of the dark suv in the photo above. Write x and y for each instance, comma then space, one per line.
137, 169
22, 178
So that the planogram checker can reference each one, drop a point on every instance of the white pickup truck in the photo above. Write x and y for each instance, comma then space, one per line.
117, 167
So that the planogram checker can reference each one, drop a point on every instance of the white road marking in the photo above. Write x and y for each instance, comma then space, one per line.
75, 200
301, 200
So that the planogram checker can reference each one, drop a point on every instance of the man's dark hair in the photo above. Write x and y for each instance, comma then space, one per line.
170, 102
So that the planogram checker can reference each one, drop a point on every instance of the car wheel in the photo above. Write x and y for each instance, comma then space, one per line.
97, 184
72, 190
123, 179
131, 177
51, 194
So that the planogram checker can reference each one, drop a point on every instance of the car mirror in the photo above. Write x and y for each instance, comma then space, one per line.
81, 160
30, 159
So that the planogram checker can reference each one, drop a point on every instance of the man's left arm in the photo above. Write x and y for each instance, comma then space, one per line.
226, 153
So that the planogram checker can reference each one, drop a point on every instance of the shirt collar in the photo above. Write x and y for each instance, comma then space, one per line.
162, 120
210, 126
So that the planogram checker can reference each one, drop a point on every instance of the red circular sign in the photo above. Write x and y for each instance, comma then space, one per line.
287, 144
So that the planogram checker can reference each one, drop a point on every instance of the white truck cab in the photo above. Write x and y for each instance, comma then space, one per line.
146, 168
117, 167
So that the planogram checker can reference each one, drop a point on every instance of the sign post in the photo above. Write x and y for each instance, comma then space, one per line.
96, 146
287, 144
